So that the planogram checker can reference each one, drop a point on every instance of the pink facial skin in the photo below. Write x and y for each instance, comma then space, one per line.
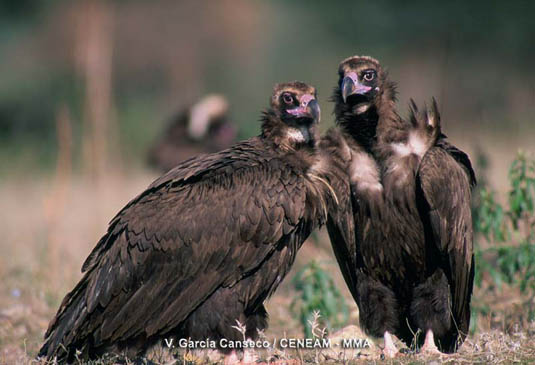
359, 88
302, 108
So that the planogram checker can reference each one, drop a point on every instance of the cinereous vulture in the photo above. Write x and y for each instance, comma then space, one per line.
404, 242
204, 245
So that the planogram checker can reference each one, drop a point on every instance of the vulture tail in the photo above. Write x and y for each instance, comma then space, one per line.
426, 122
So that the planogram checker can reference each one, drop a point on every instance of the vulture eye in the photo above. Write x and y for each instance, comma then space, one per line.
369, 75
288, 99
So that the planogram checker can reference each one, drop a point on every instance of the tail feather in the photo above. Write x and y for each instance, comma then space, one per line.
426, 121
434, 116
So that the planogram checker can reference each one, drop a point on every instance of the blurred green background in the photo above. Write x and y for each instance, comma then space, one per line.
144, 60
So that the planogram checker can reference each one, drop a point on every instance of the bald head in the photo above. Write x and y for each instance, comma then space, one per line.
293, 114
295, 101
361, 78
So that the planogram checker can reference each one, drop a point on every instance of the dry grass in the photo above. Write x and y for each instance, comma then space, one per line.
46, 235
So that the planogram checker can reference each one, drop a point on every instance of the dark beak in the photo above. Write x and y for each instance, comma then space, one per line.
313, 109
352, 86
309, 108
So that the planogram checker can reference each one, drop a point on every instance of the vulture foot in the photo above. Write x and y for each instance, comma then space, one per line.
429, 347
390, 350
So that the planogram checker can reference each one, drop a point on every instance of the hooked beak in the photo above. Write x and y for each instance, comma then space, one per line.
352, 86
308, 108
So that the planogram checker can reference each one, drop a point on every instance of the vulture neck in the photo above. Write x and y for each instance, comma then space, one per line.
362, 127
391, 127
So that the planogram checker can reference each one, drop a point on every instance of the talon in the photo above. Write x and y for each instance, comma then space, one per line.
429, 347
390, 351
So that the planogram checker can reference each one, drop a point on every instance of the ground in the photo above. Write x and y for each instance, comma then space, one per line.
49, 225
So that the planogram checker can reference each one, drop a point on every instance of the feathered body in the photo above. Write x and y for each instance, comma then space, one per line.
202, 247
410, 263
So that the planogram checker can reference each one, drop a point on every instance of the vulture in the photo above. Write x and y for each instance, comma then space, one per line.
202, 128
203, 246
403, 239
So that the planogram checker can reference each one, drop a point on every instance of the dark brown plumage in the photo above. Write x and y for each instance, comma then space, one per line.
409, 263
202, 128
203, 246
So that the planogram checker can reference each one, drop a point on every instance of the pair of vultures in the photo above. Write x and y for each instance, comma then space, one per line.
208, 242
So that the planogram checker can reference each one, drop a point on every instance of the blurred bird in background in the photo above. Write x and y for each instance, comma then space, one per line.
202, 128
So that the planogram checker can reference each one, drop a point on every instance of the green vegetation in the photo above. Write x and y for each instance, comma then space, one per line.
507, 253
317, 293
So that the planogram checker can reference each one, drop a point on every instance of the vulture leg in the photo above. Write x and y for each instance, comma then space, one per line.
429, 347
378, 307
430, 307
390, 349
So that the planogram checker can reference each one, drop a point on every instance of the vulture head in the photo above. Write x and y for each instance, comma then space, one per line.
292, 116
360, 79
362, 84
363, 91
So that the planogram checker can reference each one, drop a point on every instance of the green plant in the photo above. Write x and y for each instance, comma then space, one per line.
522, 194
490, 220
509, 232
317, 292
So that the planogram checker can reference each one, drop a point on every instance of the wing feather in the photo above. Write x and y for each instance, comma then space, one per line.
341, 220
446, 188
199, 227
